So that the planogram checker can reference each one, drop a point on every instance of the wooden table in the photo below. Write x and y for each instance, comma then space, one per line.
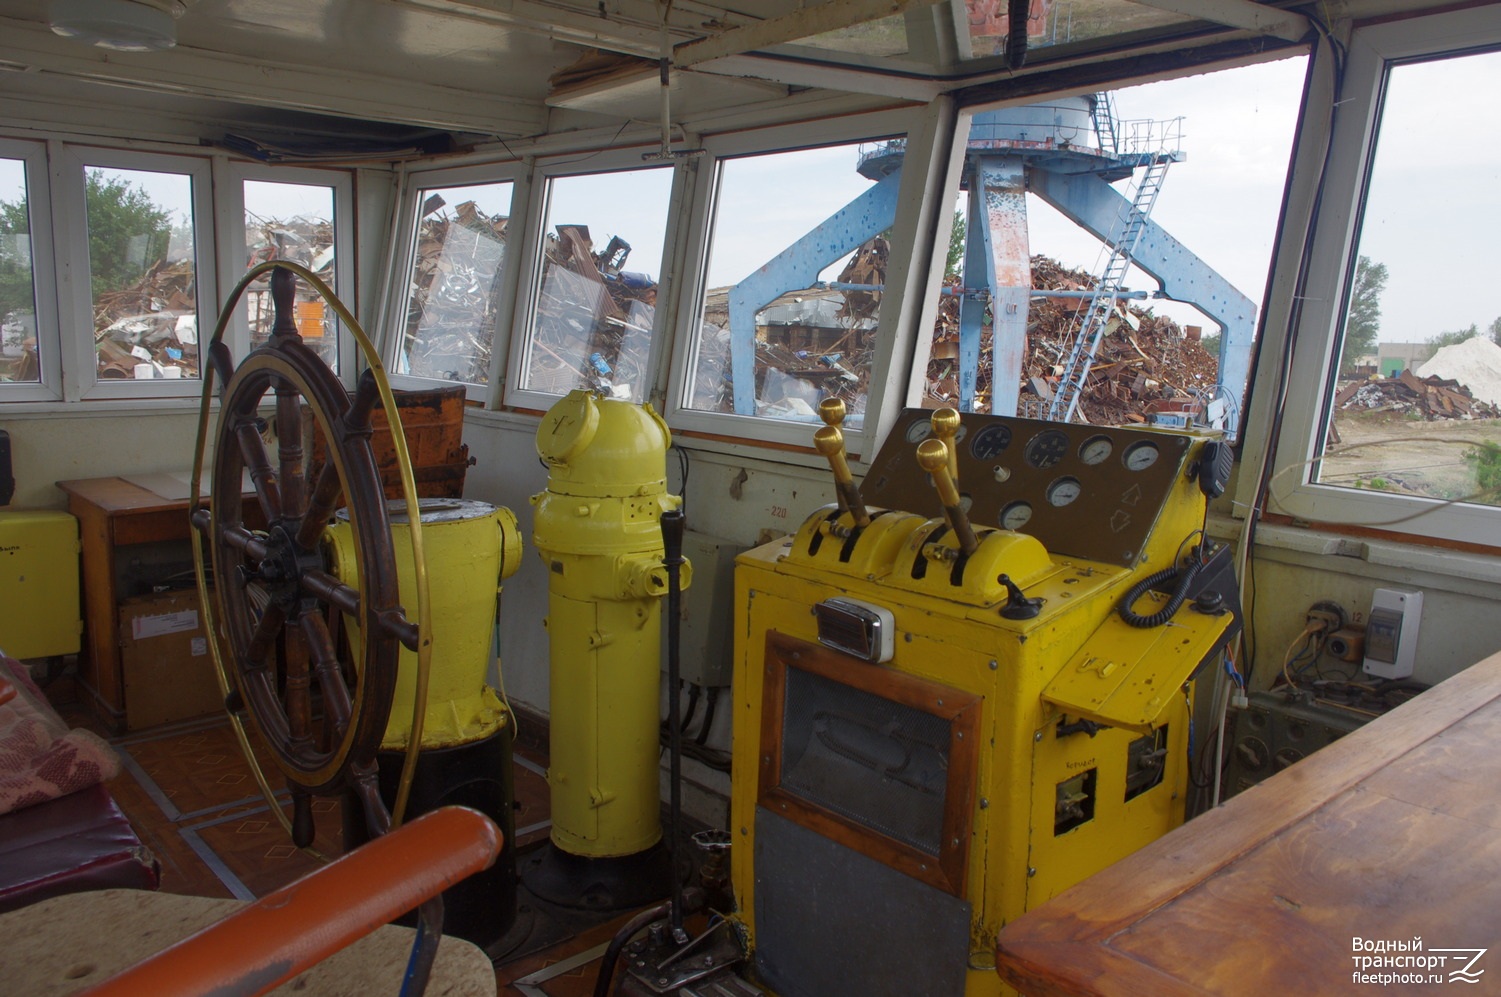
114, 512
1389, 834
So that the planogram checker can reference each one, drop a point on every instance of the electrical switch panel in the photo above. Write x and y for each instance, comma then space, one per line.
1391, 633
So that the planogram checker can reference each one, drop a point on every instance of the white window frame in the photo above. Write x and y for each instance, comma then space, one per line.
529, 293
706, 192
34, 158
393, 309
76, 306
231, 230
1372, 50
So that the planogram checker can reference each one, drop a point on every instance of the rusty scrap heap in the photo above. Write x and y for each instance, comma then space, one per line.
1144, 362
1429, 397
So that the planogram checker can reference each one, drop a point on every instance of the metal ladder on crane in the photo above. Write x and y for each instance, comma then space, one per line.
1102, 302
1103, 115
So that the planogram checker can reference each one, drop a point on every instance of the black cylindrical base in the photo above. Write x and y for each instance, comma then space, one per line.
600, 884
482, 908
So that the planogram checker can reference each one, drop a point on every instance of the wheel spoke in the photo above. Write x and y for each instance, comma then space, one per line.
298, 695
332, 591
262, 476
289, 448
336, 700
252, 544
325, 499
264, 637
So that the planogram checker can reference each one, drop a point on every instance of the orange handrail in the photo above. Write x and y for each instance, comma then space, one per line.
272, 940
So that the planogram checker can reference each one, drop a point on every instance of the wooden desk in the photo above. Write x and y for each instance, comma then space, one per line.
1392, 832
112, 513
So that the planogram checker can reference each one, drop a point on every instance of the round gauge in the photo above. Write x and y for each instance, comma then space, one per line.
990, 441
1015, 515
919, 431
1096, 450
1047, 448
1063, 491
1140, 456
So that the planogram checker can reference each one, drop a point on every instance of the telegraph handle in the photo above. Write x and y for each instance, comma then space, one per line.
933, 457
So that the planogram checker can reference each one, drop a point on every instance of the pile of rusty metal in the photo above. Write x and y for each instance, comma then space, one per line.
1429, 397
451, 312
151, 325
1144, 361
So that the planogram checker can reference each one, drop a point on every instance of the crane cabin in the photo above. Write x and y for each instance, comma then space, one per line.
701, 497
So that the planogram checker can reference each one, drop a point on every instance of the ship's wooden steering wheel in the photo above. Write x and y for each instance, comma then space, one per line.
274, 608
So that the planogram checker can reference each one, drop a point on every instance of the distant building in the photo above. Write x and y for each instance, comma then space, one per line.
1392, 359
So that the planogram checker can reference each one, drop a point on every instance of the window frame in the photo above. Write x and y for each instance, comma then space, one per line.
528, 295
392, 312
1373, 51
231, 234
36, 164
707, 188
75, 300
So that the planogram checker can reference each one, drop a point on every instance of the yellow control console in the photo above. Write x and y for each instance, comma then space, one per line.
943, 720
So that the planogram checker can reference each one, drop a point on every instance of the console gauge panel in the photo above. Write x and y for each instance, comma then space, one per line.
1092, 492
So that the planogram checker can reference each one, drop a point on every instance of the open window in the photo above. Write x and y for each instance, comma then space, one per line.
302, 216
1384, 429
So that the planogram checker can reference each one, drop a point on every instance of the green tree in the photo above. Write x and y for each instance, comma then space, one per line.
128, 232
15, 259
1443, 339
1363, 323
953, 264
1494, 330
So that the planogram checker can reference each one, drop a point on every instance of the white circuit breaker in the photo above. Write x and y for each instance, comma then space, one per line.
1391, 633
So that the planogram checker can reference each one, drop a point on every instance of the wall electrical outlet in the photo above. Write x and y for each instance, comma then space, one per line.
1391, 633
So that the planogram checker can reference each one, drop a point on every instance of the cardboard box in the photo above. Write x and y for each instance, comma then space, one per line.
168, 672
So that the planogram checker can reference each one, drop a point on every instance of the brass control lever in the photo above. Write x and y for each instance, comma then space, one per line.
830, 442
933, 457
945, 423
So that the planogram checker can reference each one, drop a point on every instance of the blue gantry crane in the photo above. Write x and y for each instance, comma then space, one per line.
1070, 152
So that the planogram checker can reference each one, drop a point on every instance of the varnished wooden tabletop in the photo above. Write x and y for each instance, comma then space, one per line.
1389, 834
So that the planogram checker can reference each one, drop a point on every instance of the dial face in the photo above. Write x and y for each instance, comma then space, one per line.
990, 441
1140, 456
1096, 450
1015, 515
919, 431
1047, 448
1063, 491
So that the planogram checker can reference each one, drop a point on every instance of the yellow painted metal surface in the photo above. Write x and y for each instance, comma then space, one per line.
470, 548
597, 529
951, 630
39, 583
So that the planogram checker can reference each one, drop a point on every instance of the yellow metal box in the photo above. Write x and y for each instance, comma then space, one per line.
39, 605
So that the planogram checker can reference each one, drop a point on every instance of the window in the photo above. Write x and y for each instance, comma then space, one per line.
1089, 277
1383, 428
145, 274
796, 264
28, 353
299, 222
594, 294
455, 283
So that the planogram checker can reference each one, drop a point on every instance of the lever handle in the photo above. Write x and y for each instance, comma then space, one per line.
832, 412
830, 442
933, 457
945, 423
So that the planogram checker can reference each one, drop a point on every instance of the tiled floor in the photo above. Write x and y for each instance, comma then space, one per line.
192, 799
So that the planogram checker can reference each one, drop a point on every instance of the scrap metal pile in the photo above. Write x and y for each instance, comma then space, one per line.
1144, 361
151, 324
1431, 397
451, 321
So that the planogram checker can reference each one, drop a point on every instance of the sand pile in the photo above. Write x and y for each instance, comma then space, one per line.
1474, 363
